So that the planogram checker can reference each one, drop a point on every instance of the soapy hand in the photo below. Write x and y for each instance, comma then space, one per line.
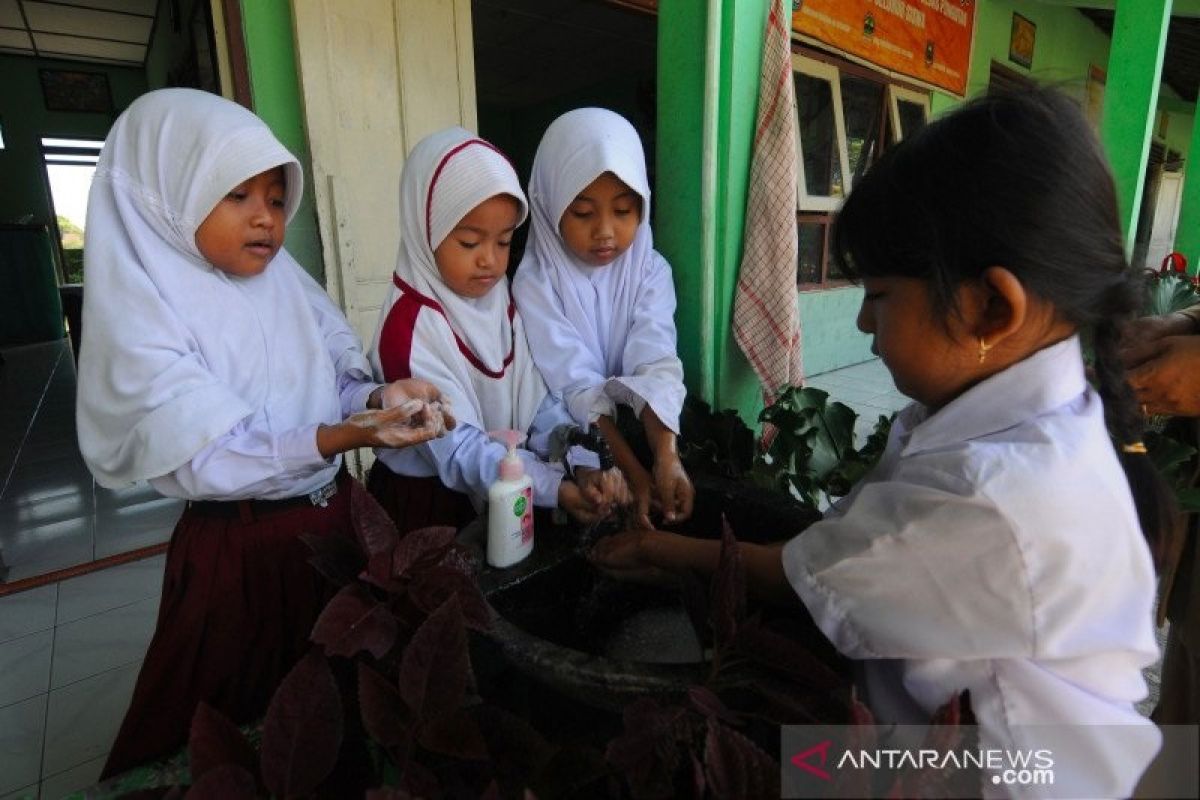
412, 422
586, 507
606, 488
437, 405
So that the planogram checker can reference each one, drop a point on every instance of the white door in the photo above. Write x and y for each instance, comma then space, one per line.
1166, 218
376, 76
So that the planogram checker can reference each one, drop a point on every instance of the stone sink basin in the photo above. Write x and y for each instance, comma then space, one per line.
602, 642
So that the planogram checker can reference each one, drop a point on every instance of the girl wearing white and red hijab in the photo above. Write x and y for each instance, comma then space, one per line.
598, 298
213, 367
450, 319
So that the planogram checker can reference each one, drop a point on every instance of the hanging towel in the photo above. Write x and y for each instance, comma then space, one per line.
766, 323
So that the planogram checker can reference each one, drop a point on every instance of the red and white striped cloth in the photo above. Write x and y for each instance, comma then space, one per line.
766, 322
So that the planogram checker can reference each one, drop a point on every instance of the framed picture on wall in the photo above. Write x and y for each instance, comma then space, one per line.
1020, 44
71, 90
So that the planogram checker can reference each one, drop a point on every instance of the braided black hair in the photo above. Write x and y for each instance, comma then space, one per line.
1017, 180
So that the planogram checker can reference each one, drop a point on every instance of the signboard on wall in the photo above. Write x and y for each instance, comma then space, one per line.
929, 40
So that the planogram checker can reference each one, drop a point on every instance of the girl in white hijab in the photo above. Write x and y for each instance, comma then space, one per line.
450, 319
598, 299
213, 367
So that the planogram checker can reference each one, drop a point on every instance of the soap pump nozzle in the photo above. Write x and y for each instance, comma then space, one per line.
511, 466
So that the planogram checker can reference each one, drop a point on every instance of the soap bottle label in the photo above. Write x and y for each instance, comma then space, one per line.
523, 508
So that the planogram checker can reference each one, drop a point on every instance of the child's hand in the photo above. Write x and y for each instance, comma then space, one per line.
404, 425
609, 483
624, 556
584, 506
641, 487
397, 393
672, 488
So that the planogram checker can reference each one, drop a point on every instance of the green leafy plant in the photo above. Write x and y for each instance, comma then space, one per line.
812, 452
1170, 288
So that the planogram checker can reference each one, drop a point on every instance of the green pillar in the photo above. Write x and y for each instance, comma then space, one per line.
1131, 96
708, 77
275, 86
1187, 234
682, 224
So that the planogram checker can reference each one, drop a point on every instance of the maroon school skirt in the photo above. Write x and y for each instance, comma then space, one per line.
414, 503
238, 604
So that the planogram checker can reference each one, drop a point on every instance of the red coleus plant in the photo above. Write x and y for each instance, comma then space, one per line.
392, 665
719, 741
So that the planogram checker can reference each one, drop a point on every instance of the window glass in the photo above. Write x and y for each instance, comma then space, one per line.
818, 136
862, 108
912, 117
811, 252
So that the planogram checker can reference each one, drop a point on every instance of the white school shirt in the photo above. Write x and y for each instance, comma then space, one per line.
600, 335
466, 459
996, 548
180, 360
258, 459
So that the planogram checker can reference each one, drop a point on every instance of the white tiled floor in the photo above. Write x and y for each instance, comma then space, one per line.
69, 651
69, 654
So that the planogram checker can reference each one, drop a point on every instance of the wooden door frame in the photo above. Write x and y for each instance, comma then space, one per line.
235, 41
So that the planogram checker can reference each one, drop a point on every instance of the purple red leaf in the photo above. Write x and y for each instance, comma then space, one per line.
336, 557
455, 734
435, 667
728, 590
421, 544
215, 741
374, 529
432, 587
707, 703
224, 782
352, 622
302, 731
384, 715
648, 754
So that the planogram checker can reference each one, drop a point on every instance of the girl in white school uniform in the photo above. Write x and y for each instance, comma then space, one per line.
598, 299
998, 546
215, 368
450, 319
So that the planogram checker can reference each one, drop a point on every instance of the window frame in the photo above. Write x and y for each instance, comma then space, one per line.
896, 94
829, 73
821, 210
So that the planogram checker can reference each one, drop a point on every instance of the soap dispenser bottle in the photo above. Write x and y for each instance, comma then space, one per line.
510, 507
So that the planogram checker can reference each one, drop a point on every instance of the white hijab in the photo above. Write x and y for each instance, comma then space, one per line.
447, 175
176, 352
593, 306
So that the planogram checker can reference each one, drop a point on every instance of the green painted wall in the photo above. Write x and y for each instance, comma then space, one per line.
26, 120
679, 205
275, 86
1067, 42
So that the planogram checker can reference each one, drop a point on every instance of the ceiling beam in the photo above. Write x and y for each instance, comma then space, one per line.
1180, 8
